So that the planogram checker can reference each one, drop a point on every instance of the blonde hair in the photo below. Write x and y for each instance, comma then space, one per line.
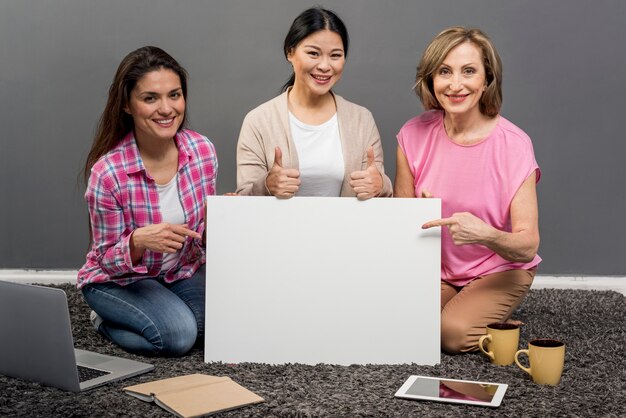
435, 54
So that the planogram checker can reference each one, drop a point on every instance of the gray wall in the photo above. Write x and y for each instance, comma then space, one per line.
563, 84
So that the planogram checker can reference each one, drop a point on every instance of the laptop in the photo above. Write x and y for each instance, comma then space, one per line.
37, 342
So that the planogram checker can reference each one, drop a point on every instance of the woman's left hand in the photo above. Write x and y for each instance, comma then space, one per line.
367, 183
465, 228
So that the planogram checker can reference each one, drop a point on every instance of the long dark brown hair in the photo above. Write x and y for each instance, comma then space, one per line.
114, 122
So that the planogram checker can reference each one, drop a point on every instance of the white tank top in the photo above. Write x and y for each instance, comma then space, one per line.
320, 155
171, 212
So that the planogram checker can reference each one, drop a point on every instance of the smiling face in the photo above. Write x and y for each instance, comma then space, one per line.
157, 105
460, 80
318, 62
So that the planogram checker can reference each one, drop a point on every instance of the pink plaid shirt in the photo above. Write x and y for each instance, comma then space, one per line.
122, 197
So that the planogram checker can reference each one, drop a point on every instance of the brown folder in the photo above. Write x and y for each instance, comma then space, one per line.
195, 395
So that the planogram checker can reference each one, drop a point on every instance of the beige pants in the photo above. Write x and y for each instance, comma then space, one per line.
467, 310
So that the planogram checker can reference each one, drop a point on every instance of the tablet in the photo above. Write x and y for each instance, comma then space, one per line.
452, 390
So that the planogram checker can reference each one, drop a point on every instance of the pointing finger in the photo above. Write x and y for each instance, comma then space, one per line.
185, 231
439, 222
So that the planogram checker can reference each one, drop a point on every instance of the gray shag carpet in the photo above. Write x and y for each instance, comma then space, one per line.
591, 323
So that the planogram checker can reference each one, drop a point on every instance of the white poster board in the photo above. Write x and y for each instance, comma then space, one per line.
322, 280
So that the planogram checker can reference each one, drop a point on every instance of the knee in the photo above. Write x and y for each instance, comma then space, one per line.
455, 336
177, 338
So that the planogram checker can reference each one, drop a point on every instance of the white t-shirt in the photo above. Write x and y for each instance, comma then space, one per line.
321, 157
171, 212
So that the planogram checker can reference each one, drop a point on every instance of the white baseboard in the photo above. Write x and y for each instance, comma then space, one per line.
616, 283
39, 276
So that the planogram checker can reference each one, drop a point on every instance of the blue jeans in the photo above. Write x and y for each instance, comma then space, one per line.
151, 317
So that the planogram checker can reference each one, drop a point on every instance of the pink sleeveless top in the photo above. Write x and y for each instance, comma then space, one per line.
481, 178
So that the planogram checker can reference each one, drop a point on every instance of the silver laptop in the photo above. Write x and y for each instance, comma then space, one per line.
36, 342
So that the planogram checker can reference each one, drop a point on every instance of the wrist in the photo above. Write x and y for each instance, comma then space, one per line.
493, 238
267, 188
135, 246
381, 184
135, 240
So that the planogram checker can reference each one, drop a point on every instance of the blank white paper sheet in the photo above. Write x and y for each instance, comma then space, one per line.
322, 280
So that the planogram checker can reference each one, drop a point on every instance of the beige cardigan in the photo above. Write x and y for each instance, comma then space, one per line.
267, 127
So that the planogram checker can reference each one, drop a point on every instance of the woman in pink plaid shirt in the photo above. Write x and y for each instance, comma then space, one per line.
148, 178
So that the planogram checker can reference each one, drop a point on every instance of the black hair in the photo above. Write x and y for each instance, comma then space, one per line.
309, 22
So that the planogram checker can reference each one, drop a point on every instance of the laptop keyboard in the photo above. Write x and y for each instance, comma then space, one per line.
87, 373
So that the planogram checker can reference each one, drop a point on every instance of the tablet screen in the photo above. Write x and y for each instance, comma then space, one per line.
452, 389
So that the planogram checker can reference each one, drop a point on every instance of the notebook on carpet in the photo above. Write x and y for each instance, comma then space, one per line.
194, 395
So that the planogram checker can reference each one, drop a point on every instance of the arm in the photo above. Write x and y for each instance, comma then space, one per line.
376, 144
519, 245
404, 184
522, 243
208, 169
160, 238
119, 249
252, 164
256, 174
111, 238
371, 180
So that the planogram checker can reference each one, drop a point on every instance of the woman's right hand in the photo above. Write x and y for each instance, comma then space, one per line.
282, 182
161, 238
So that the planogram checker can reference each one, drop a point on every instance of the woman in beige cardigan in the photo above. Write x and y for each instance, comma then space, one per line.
309, 141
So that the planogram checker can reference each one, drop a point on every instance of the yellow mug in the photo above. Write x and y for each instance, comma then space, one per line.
546, 358
502, 342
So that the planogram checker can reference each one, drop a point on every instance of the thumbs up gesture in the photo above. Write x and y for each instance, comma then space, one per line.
367, 183
282, 182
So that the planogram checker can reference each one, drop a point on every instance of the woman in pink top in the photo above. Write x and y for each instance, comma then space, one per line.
483, 168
